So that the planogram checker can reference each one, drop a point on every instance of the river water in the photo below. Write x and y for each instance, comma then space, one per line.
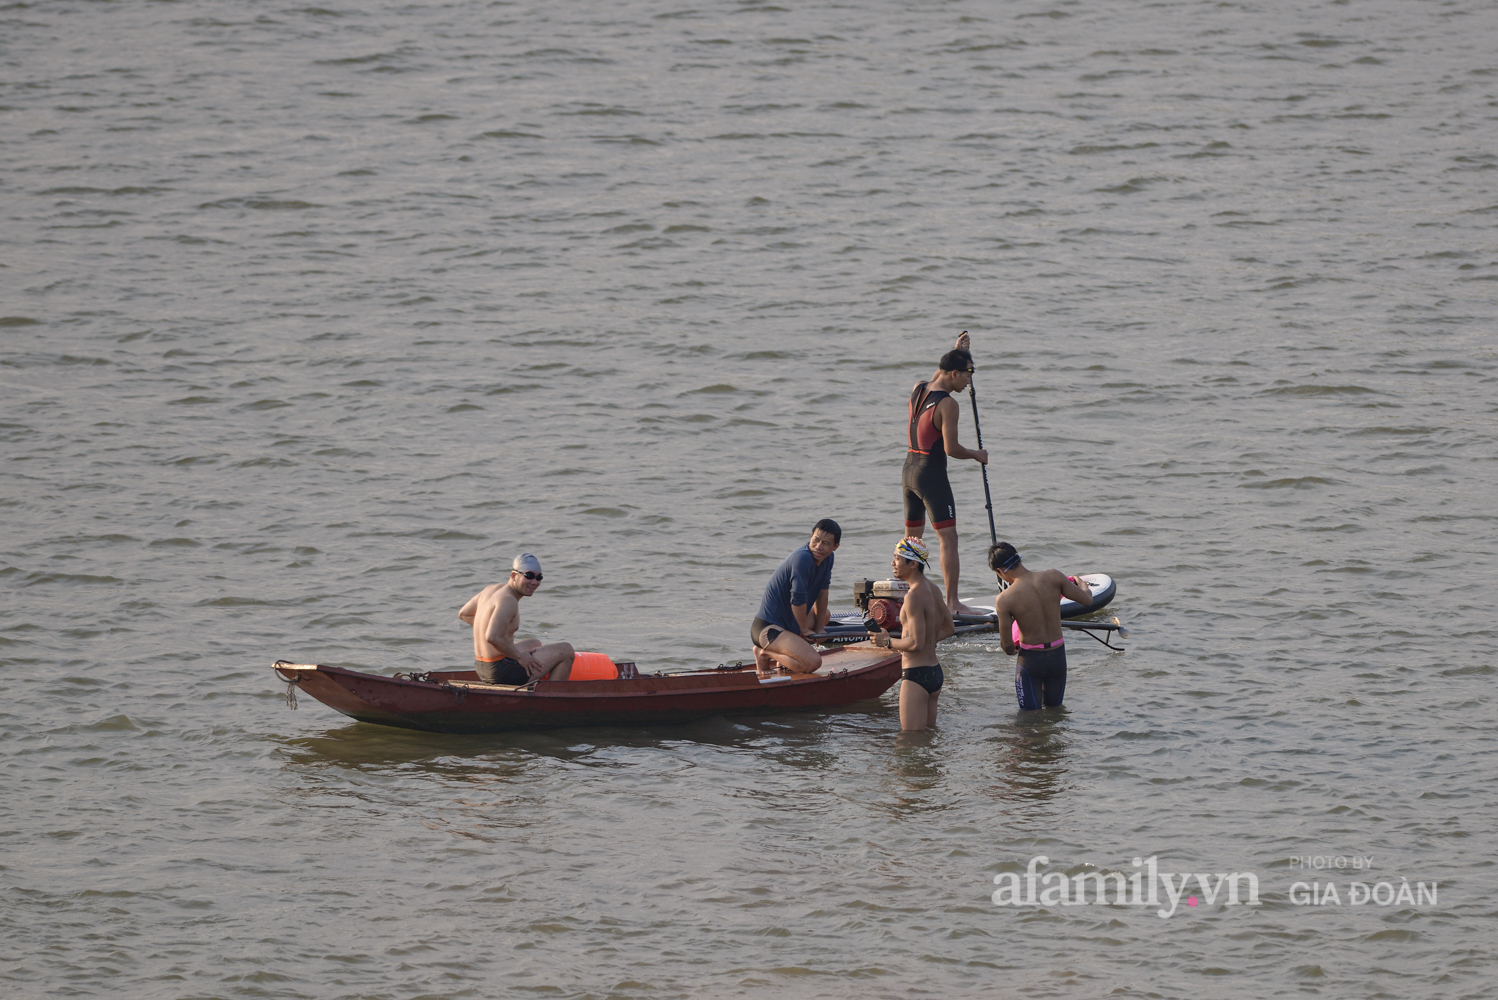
314, 316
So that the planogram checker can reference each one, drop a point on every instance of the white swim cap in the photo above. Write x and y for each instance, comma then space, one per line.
526, 563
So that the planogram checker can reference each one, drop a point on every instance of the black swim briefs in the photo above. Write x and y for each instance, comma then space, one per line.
506, 671
931, 678
762, 633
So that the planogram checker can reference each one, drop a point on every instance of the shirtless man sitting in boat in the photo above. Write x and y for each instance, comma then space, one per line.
1033, 599
494, 613
924, 621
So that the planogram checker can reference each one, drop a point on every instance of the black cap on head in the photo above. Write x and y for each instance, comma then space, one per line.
830, 526
956, 360
1002, 557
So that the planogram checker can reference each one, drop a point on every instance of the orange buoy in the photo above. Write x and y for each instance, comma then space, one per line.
592, 667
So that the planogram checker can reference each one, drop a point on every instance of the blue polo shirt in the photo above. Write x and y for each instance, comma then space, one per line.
799, 581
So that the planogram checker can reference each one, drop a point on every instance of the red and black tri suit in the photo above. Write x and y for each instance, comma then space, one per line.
925, 475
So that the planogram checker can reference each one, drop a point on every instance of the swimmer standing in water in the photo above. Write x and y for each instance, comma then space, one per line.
924, 621
1034, 601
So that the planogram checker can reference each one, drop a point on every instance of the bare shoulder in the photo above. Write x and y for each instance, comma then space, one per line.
916, 599
495, 595
933, 597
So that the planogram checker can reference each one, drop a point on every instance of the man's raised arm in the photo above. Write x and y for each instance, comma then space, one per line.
1077, 592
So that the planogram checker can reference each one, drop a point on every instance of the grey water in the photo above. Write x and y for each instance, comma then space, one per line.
314, 316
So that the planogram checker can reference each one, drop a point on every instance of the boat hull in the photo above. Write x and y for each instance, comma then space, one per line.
455, 701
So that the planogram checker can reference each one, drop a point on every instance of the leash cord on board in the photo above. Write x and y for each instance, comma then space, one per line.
1091, 635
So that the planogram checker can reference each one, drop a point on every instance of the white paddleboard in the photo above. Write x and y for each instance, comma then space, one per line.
1101, 584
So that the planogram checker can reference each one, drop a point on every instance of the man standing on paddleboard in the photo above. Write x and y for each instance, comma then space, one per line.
494, 613
1033, 600
933, 436
795, 604
924, 622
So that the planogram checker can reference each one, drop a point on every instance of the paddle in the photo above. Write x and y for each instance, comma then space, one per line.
993, 533
979, 623
972, 391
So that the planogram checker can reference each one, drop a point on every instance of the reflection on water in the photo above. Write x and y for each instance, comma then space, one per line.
362, 745
915, 786
917, 756
790, 739
1029, 756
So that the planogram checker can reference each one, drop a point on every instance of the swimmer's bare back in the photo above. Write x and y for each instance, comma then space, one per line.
494, 613
1034, 601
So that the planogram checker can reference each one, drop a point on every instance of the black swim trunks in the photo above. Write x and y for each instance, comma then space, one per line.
1040, 677
931, 678
927, 490
506, 671
762, 633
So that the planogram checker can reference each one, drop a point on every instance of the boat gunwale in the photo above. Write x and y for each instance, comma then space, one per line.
644, 686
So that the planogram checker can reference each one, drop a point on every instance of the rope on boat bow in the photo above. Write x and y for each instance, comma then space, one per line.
291, 683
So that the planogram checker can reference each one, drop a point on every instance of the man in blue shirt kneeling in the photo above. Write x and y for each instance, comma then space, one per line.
795, 604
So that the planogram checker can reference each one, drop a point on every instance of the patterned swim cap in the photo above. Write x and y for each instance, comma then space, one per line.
913, 549
525, 562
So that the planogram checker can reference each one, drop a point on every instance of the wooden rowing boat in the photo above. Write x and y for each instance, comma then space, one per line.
456, 701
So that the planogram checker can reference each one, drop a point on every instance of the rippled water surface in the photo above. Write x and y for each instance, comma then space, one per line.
314, 316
